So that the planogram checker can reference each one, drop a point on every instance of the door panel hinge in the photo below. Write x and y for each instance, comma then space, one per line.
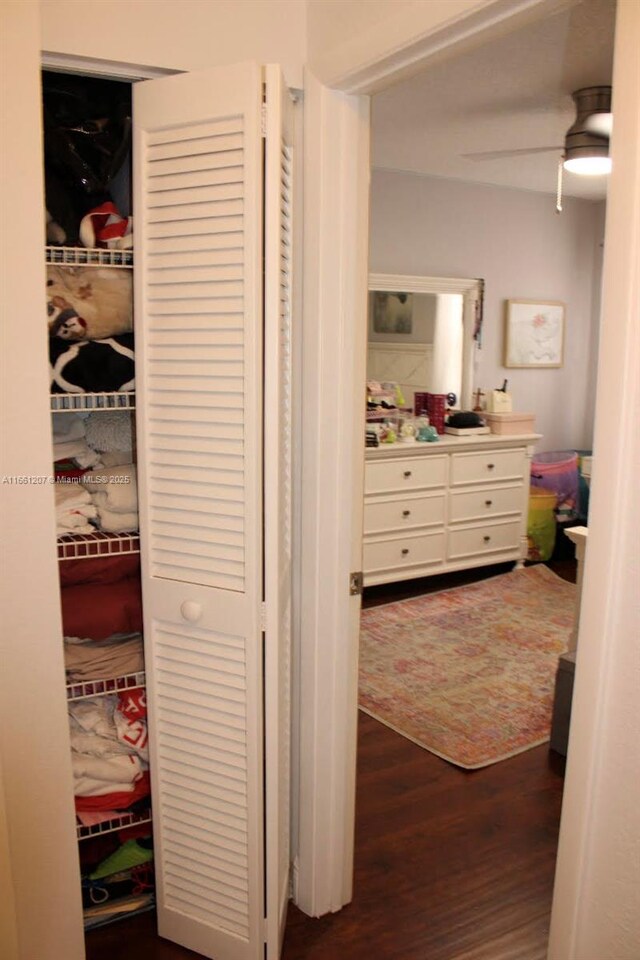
263, 617
263, 121
355, 584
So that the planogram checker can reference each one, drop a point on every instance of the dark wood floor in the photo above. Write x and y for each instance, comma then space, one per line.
449, 864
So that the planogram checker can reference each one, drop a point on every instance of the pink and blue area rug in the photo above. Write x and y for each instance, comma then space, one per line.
469, 673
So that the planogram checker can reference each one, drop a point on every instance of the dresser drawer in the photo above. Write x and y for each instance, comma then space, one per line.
488, 502
409, 550
492, 465
412, 510
483, 538
410, 473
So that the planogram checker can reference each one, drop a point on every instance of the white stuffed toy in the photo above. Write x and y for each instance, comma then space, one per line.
88, 303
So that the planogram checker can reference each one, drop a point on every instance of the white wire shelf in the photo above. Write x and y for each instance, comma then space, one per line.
80, 546
100, 688
71, 402
89, 257
125, 819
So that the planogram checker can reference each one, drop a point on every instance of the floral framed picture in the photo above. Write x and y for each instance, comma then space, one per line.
534, 333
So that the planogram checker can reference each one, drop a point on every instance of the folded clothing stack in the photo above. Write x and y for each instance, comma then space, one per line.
74, 509
70, 443
116, 656
114, 493
100, 597
109, 750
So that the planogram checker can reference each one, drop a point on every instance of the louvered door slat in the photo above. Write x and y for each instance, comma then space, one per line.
198, 272
180, 194
190, 233
193, 164
193, 146
194, 242
199, 351
186, 179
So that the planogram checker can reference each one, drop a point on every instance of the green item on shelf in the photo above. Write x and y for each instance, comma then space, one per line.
130, 854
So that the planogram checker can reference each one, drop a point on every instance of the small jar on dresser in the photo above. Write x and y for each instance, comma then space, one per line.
434, 507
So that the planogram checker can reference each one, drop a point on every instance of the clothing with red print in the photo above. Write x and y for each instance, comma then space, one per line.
130, 717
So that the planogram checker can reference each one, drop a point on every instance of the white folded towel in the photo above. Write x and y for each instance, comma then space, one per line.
73, 509
112, 522
76, 522
114, 488
67, 426
116, 458
77, 450
70, 495
125, 768
91, 787
94, 746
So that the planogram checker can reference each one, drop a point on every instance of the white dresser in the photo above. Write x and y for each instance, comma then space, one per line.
432, 507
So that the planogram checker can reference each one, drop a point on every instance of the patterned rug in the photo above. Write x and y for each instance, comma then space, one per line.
469, 673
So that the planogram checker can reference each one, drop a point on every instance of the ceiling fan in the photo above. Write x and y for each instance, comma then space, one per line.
586, 143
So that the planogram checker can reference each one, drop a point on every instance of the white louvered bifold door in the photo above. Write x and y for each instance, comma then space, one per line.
277, 440
199, 371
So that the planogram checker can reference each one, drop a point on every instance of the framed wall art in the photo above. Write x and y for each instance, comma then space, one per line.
534, 333
392, 312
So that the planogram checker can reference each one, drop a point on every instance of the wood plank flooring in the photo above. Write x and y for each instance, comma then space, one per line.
449, 864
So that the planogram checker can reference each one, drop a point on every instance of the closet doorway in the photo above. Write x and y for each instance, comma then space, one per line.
212, 154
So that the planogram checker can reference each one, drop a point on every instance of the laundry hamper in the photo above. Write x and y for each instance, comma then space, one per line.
558, 472
541, 524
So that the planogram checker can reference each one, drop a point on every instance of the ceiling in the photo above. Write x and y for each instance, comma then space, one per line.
513, 93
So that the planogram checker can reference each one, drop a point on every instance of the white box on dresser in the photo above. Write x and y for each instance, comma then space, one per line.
458, 503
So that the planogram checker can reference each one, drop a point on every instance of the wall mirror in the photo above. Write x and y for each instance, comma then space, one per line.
422, 333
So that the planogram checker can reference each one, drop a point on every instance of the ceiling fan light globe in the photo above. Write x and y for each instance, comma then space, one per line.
588, 166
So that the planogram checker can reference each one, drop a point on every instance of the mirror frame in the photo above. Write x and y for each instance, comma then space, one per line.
472, 296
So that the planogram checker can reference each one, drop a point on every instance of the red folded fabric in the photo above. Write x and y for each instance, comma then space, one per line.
132, 704
116, 801
99, 569
67, 470
100, 610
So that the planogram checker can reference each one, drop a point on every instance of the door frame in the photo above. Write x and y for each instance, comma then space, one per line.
328, 703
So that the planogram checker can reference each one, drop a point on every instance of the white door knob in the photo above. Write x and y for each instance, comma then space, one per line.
191, 610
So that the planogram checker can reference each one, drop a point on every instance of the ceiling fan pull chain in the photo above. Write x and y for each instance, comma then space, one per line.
559, 190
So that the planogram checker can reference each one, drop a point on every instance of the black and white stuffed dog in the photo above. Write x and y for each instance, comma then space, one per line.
92, 366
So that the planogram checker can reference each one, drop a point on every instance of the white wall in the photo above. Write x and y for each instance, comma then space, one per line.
348, 37
34, 757
523, 249
596, 909
184, 35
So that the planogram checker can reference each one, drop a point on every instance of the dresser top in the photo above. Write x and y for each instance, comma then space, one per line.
451, 444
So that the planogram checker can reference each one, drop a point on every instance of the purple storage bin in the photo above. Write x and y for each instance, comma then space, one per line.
558, 471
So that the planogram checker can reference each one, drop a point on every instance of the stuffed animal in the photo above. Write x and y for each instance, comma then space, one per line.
89, 303
64, 320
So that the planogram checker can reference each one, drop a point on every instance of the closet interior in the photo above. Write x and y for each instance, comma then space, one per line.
89, 255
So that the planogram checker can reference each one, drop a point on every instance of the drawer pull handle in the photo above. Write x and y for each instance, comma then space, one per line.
486, 539
490, 466
488, 503
406, 513
405, 551
407, 473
